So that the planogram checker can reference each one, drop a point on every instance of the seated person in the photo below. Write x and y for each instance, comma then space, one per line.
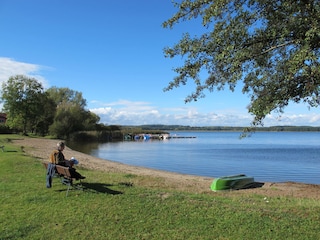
57, 157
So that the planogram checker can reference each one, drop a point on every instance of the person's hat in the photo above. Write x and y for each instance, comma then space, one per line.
75, 161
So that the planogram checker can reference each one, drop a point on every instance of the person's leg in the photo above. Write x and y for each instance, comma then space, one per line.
75, 174
51, 170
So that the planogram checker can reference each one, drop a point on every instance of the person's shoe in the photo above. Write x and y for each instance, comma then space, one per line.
82, 177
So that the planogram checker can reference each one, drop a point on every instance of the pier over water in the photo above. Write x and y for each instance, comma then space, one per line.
147, 136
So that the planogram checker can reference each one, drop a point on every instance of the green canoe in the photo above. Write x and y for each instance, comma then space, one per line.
231, 182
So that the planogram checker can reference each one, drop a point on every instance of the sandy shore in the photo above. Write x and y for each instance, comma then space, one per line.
41, 149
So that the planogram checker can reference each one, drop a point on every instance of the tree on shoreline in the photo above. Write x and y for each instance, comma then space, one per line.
24, 102
71, 115
272, 47
58, 111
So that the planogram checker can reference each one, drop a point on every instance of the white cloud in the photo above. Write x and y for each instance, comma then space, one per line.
10, 67
315, 118
287, 119
125, 112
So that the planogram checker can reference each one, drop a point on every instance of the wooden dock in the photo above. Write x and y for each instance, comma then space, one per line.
146, 136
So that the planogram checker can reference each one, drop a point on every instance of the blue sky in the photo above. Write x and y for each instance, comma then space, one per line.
112, 52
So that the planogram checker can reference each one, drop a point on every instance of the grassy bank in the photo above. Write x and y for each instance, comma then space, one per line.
111, 207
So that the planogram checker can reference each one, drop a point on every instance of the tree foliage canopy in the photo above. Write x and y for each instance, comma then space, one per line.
60, 111
270, 46
70, 115
24, 101
66, 95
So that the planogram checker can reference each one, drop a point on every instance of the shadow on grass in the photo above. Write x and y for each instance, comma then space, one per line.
6, 150
99, 188
254, 185
92, 188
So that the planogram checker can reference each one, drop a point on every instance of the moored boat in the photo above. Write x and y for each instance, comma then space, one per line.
231, 182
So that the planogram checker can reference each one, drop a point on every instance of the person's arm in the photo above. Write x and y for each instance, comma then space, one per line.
60, 159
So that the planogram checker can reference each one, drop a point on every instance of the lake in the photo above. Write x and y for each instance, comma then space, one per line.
266, 156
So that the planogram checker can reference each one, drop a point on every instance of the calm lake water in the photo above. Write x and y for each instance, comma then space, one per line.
266, 156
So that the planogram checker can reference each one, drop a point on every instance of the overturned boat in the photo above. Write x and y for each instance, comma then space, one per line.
234, 182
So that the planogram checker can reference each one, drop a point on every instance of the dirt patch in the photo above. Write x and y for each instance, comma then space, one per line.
41, 149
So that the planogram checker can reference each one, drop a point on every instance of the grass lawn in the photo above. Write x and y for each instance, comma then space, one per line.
110, 207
